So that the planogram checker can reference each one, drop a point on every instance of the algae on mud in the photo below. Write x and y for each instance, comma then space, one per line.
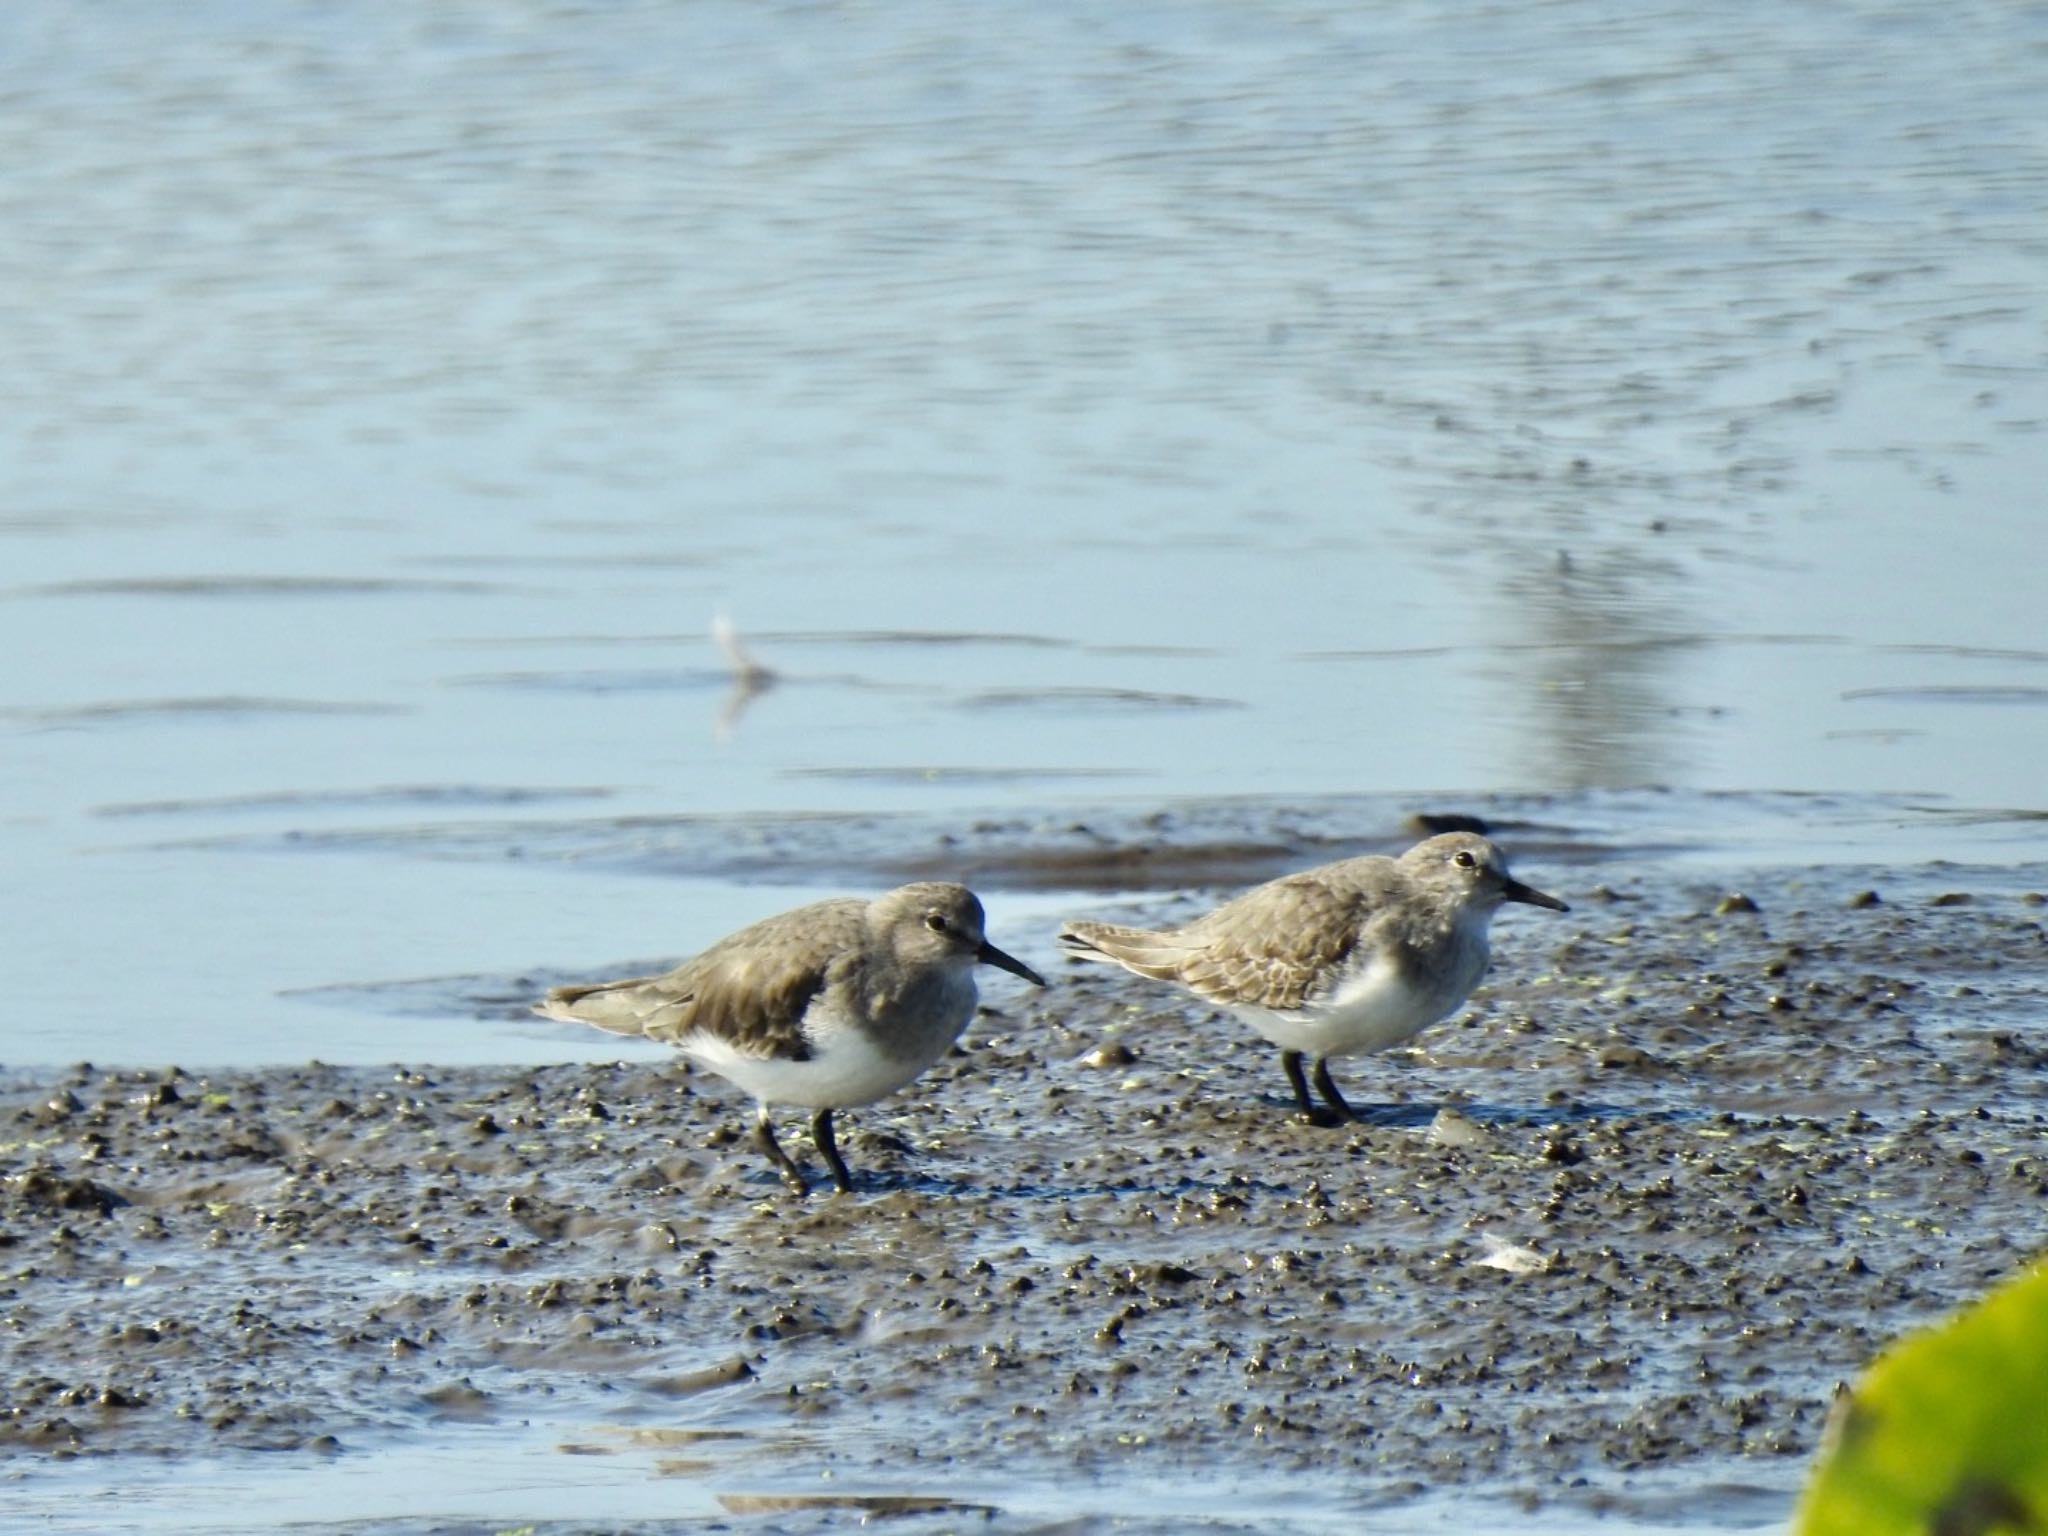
1704, 1158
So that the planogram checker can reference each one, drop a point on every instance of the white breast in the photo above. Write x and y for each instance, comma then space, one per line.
848, 1065
1379, 1004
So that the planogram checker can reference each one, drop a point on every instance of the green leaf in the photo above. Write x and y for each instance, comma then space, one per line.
1947, 1434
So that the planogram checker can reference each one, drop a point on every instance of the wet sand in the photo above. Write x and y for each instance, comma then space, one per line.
1697, 1150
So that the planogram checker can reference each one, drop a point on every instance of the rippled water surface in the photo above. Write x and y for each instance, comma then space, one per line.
1069, 409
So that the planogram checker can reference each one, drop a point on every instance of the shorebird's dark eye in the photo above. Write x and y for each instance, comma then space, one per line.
936, 921
1463, 859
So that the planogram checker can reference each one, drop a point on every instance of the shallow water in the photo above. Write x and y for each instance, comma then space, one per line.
620, 1481
1149, 451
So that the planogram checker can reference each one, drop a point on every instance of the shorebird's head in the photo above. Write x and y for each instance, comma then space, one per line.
934, 923
1472, 871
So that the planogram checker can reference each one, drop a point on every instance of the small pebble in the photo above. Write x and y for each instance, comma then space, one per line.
1111, 1053
1451, 1128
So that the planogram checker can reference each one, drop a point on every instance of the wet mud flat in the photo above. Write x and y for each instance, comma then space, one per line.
1697, 1151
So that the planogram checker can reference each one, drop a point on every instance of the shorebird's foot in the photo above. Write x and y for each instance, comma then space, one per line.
764, 1138
1328, 1089
1311, 1112
1333, 1111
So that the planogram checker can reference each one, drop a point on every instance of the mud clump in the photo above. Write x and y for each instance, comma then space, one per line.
1682, 1168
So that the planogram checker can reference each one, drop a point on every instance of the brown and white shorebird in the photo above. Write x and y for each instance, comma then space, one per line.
1339, 960
826, 1007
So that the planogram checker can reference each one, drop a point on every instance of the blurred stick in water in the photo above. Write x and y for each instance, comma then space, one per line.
750, 679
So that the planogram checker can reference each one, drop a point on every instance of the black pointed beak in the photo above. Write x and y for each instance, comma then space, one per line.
988, 954
1514, 890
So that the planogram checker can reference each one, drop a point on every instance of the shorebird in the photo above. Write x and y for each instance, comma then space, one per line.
826, 1007
1339, 960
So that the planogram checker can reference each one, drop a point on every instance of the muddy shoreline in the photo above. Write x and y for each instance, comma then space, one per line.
1697, 1150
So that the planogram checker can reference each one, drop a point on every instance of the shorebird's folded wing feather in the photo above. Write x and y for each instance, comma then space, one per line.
750, 989
1158, 954
617, 1007
756, 1009
1275, 951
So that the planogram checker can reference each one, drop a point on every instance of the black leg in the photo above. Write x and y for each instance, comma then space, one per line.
1291, 1060
828, 1146
1329, 1091
764, 1138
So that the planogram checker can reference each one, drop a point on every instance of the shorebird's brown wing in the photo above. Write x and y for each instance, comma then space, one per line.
1266, 949
1274, 946
750, 989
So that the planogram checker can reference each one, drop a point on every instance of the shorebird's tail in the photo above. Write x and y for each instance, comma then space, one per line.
1143, 950
617, 1007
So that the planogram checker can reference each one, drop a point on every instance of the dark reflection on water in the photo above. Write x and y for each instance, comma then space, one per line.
1599, 703
301, 802
1090, 699
224, 707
